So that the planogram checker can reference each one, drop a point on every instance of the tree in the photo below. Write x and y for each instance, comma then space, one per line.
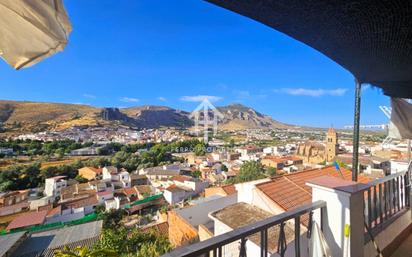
153, 249
196, 174
60, 152
249, 171
232, 143
111, 219
200, 149
85, 252
81, 179
224, 168
133, 242
271, 171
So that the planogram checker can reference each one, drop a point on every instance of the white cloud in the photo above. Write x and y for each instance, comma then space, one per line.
312, 92
80, 103
161, 98
246, 95
200, 98
89, 96
129, 100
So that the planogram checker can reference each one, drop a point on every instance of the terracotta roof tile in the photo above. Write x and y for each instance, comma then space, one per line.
290, 191
27, 220
103, 193
175, 188
93, 169
160, 228
78, 203
182, 178
229, 189
129, 191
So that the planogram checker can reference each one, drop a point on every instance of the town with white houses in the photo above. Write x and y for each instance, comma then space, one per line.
200, 196
215, 128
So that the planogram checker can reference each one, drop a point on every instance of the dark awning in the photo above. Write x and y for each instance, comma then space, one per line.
372, 39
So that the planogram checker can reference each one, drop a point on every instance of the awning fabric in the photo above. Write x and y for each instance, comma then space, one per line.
372, 39
32, 30
400, 126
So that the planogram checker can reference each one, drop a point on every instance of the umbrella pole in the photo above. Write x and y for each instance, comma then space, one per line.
355, 161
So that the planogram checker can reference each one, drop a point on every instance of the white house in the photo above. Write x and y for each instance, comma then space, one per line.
54, 185
191, 183
119, 179
271, 150
175, 194
112, 204
104, 196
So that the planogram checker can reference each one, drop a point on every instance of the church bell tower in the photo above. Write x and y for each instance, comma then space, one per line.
331, 145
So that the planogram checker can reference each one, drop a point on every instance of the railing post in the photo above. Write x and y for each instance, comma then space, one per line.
344, 209
297, 236
356, 126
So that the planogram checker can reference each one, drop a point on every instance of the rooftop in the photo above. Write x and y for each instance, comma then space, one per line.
79, 235
290, 191
92, 169
229, 189
7, 242
160, 228
241, 214
28, 219
78, 203
175, 188
57, 177
144, 189
182, 178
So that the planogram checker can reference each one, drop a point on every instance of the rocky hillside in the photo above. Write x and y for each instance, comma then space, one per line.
238, 116
24, 117
157, 116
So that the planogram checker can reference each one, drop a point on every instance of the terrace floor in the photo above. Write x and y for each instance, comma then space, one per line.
405, 249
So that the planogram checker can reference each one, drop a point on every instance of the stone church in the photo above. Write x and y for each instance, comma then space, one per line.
315, 153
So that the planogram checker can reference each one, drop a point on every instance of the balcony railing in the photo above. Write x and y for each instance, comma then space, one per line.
385, 199
214, 246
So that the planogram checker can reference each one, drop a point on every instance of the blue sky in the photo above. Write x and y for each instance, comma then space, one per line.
125, 53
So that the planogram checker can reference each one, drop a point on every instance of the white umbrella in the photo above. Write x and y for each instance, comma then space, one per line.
32, 30
318, 247
401, 119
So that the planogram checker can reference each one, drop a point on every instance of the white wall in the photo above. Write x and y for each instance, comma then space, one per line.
65, 218
245, 190
53, 187
175, 197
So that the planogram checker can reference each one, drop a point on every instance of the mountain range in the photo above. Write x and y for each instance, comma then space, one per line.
23, 117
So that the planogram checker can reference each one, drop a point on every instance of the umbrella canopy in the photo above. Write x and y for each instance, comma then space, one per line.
372, 39
31, 31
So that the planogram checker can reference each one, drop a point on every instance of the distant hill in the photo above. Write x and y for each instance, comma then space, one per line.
158, 116
238, 116
23, 117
